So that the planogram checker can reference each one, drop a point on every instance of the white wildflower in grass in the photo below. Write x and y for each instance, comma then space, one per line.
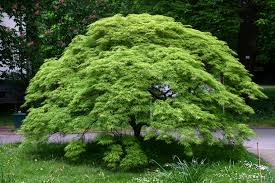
250, 164
262, 167
245, 171
148, 178
241, 172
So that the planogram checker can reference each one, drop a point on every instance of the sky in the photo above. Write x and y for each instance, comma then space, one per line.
7, 22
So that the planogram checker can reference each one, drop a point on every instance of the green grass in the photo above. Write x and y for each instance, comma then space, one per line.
200, 172
46, 164
24, 167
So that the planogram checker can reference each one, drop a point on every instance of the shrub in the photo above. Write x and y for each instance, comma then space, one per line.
141, 72
264, 108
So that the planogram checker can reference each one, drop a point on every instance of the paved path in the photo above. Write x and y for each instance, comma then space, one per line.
265, 137
6, 138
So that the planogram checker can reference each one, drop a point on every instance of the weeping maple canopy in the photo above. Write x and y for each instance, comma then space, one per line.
142, 71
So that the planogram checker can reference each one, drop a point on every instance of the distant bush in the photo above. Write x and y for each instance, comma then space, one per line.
264, 108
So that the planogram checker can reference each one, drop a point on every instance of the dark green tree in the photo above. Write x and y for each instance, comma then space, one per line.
266, 31
20, 45
51, 24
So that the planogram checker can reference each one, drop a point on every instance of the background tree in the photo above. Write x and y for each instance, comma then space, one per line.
51, 24
8, 51
20, 46
266, 31
60, 21
141, 71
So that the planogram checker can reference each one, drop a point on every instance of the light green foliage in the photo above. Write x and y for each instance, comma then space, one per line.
113, 155
134, 155
123, 151
116, 76
74, 149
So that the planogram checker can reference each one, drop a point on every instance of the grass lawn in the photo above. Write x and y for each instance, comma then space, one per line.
20, 166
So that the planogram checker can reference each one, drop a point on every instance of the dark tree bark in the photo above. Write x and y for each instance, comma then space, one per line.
136, 127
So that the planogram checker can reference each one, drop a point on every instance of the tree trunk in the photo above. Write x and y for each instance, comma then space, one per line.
137, 130
136, 127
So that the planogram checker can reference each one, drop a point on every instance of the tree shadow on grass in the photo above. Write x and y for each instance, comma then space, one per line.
165, 153
156, 151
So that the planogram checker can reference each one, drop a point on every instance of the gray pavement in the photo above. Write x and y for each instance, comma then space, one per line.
266, 139
8, 138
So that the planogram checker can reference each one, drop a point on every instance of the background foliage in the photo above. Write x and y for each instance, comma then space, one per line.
265, 108
20, 45
266, 31
51, 24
